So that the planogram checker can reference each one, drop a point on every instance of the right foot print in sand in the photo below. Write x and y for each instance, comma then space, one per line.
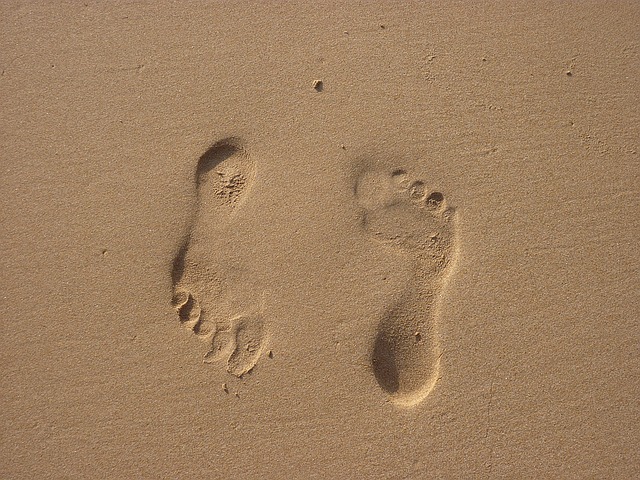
415, 223
223, 179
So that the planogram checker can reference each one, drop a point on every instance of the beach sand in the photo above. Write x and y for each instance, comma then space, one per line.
320, 240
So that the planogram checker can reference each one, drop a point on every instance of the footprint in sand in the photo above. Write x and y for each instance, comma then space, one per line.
223, 179
416, 223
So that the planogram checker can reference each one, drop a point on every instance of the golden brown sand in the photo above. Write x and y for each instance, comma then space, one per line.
320, 240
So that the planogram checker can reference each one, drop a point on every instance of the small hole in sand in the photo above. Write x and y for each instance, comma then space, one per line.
435, 198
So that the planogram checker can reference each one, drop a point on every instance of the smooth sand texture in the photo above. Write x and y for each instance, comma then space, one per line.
320, 240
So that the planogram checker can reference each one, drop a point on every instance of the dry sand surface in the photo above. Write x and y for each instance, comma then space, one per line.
320, 240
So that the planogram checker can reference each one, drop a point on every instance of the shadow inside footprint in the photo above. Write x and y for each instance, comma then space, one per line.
384, 365
227, 170
214, 157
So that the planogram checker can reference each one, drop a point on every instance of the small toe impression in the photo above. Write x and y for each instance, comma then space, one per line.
204, 328
435, 201
189, 311
180, 297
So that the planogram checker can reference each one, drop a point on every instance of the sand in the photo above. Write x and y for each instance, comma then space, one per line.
320, 240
